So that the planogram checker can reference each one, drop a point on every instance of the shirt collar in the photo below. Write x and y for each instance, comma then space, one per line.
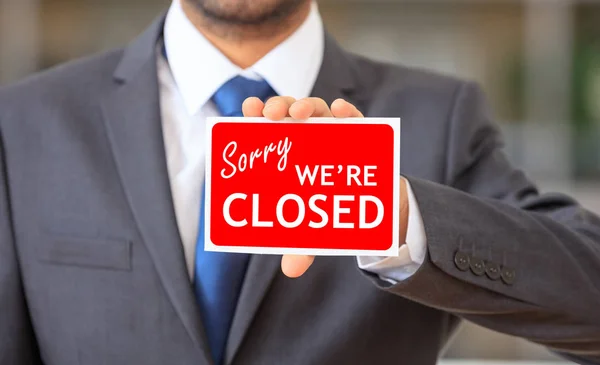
200, 69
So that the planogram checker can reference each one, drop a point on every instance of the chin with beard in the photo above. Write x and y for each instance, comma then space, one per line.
251, 13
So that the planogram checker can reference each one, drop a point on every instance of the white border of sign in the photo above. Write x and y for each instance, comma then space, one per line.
392, 251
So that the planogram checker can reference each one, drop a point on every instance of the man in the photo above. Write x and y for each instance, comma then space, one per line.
101, 175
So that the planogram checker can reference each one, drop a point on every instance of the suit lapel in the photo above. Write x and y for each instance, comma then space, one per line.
262, 269
335, 80
133, 123
337, 77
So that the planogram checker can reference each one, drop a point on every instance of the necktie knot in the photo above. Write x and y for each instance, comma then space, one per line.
231, 95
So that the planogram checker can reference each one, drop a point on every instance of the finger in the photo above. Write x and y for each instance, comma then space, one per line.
404, 210
253, 107
310, 107
278, 107
343, 109
294, 266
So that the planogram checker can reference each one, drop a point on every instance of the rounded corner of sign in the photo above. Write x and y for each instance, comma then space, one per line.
392, 125
393, 251
396, 124
213, 122
388, 127
209, 245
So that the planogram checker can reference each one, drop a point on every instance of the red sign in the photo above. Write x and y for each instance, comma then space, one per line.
320, 187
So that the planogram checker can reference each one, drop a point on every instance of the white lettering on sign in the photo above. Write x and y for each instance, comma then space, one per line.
362, 223
312, 174
246, 161
301, 211
368, 175
255, 220
353, 176
312, 204
338, 211
353, 173
227, 209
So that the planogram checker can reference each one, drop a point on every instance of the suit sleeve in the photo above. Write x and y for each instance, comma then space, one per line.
17, 342
501, 254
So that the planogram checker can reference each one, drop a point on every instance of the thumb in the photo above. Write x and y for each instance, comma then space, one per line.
294, 266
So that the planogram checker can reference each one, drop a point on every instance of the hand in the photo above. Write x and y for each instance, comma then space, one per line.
280, 107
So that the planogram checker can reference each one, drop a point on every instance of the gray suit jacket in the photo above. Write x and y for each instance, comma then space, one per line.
92, 269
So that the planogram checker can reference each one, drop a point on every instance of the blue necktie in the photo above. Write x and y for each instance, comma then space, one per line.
219, 276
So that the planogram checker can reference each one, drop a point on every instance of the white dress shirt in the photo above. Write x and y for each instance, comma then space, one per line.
194, 72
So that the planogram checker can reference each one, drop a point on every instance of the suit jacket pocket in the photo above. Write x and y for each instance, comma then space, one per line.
94, 253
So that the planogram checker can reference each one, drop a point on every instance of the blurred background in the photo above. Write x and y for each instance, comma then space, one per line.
538, 60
